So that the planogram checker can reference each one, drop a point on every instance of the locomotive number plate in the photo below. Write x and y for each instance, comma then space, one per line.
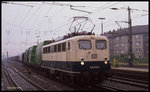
94, 67
94, 55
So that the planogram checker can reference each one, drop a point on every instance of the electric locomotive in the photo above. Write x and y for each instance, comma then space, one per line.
79, 58
74, 58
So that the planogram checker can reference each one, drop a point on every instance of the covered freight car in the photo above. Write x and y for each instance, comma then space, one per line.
32, 56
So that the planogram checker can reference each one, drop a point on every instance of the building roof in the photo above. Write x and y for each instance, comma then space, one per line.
142, 29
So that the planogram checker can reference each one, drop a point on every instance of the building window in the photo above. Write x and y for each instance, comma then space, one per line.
147, 37
136, 36
110, 42
137, 49
122, 52
138, 57
122, 44
117, 38
137, 43
122, 37
147, 44
117, 45
114, 45
147, 52
117, 51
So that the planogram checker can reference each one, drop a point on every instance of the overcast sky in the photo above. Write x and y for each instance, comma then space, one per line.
23, 21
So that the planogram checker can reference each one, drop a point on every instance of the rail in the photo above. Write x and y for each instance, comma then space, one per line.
17, 87
24, 77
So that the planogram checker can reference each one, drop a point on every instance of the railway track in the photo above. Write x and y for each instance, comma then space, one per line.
135, 75
42, 81
101, 87
110, 88
130, 79
12, 84
133, 82
129, 82
120, 81
20, 81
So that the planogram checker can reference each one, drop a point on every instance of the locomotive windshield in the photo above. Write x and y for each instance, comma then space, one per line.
100, 44
85, 44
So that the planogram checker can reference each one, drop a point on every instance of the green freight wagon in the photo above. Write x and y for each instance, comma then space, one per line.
32, 55
25, 57
39, 51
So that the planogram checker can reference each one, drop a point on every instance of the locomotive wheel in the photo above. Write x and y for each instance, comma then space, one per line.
65, 78
62, 76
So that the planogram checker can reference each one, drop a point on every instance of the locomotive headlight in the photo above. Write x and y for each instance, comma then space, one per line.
82, 63
82, 60
105, 62
92, 36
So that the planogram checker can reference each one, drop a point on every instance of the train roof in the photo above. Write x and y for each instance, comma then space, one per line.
77, 38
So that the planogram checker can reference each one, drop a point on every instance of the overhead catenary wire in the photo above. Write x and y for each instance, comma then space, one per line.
102, 8
57, 12
44, 17
32, 26
28, 15
25, 16
25, 28
107, 3
21, 4
55, 15
122, 14
67, 4
32, 16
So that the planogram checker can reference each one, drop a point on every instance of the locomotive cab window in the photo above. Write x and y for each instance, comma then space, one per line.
85, 44
100, 44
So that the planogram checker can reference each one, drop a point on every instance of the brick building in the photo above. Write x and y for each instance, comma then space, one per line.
118, 40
